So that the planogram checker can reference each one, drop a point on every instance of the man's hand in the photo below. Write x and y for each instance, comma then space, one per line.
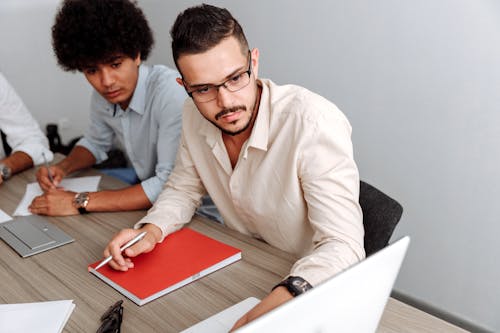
147, 244
277, 297
54, 202
42, 176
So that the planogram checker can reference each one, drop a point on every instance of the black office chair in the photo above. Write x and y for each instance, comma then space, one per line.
381, 214
6, 147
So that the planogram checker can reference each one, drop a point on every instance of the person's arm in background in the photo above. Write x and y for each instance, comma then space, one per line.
23, 134
168, 109
91, 149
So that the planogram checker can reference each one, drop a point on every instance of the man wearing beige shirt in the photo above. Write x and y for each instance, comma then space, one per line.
276, 160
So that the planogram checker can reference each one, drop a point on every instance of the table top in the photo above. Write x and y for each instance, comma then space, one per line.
61, 273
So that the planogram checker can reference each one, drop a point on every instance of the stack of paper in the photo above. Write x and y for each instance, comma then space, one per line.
78, 184
42, 317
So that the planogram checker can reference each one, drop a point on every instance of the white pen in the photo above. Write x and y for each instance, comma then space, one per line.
126, 246
47, 166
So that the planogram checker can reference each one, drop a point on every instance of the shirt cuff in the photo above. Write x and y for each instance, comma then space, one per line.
36, 152
152, 187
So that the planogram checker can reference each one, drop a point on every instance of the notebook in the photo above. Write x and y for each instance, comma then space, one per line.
184, 256
352, 301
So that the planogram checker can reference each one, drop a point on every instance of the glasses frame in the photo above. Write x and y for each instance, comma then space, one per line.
223, 84
111, 320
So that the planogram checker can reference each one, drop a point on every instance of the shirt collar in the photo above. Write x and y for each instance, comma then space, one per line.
138, 102
259, 137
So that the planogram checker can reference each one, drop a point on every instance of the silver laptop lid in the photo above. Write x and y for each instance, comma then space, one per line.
29, 235
352, 301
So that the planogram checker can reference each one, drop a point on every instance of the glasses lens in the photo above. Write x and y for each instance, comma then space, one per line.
238, 82
205, 95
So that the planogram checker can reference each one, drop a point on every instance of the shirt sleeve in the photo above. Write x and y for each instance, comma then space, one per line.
330, 182
180, 197
98, 138
21, 129
170, 124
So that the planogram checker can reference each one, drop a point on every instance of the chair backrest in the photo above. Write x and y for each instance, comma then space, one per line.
6, 147
381, 214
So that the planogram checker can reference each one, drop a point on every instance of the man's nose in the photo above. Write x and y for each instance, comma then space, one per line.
107, 78
224, 96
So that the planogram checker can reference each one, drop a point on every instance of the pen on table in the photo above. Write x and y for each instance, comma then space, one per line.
126, 246
48, 169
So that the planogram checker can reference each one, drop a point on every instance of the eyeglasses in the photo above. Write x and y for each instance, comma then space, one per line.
112, 319
209, 92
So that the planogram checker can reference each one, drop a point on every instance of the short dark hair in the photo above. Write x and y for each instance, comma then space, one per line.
200, 28
88, 32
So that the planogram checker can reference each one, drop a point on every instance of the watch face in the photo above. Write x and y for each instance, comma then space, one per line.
81, 199
5, 171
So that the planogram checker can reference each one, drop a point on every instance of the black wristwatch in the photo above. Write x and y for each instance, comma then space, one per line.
5, 171
295, 285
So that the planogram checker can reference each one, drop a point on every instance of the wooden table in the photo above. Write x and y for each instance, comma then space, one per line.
62, 273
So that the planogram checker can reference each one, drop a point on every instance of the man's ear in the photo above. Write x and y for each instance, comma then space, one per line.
179, 81
138, 59
255, 61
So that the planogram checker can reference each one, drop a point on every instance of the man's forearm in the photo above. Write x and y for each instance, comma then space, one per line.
18, 161
130, 198
79, 158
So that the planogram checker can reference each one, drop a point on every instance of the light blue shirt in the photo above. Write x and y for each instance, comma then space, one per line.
149, 130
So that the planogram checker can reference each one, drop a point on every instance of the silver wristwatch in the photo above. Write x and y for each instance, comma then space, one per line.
5, 171
80, 201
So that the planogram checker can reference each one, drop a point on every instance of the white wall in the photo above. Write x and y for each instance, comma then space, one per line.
420, 83
27, 61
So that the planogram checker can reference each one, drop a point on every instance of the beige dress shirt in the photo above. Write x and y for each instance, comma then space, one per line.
295, 184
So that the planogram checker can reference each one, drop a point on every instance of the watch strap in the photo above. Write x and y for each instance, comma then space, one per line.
295, 285
82, 210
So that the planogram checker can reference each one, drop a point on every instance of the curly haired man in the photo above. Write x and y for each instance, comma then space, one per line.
135, 106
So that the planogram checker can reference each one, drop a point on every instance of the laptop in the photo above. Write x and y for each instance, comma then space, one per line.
352, 301
29, 235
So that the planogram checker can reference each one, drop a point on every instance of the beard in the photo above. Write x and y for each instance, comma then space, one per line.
225, 111
253, 111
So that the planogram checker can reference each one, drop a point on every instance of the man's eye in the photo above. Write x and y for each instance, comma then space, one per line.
90, 71
116, 64
236, 78
203, 90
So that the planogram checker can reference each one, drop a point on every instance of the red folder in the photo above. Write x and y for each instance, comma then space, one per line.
183, 256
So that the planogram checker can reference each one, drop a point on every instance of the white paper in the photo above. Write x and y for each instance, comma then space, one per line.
78, 184
4, 217
41, 317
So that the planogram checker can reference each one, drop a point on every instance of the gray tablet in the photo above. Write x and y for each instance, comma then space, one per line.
29, 235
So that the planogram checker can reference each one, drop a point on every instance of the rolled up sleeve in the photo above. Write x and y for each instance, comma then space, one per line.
21, 129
